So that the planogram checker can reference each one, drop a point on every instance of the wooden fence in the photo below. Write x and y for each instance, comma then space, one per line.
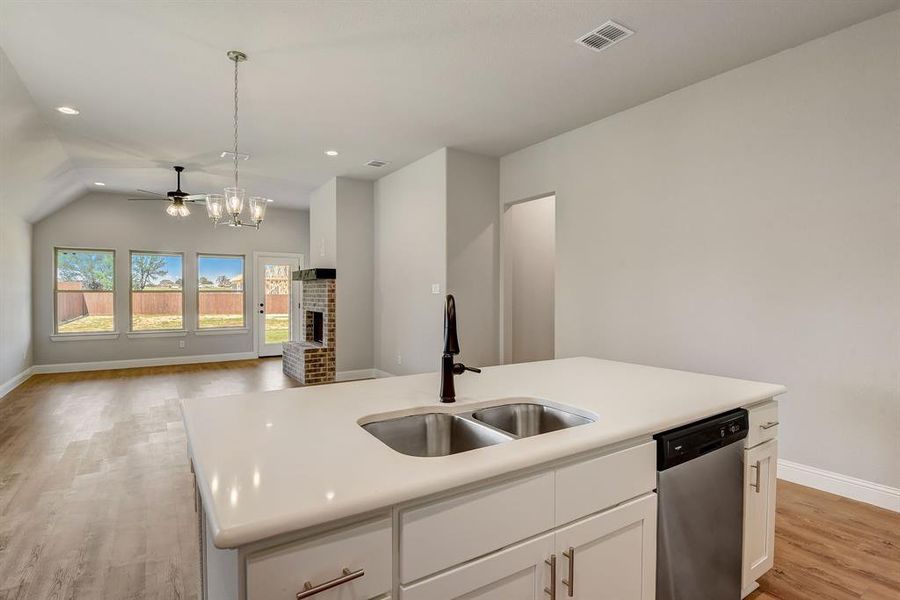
71, 305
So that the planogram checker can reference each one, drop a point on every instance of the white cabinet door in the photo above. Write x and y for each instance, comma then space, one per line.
515, 573
610, 556
759, 510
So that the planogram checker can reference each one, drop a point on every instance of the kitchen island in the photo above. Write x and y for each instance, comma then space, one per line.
293, 492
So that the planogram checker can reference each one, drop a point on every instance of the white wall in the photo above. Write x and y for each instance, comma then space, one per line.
473, 223
410, 255
530, 264
323, 226
355, 274
34, 179
110, 221
747, 225
15, 297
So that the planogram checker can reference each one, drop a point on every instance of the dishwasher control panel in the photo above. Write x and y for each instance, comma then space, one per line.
691, 441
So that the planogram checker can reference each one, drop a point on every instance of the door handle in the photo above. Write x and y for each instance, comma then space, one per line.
551, 591
758, 467
570, 582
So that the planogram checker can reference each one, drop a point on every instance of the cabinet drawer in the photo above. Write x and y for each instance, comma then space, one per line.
593, 485
763, 423
461, 528
279, 573
515, 572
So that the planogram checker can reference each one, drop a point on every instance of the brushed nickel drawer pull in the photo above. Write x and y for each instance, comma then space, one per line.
769, 425
570, 582
551, 591
310, 590
758, 467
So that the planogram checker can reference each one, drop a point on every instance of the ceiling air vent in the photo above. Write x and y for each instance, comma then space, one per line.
604, 36
378, 163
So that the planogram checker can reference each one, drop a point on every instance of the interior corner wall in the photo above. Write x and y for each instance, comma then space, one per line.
530, 280
747, 226
15, 297
355, 273
473, 257
109, 221
410, 254
323, 226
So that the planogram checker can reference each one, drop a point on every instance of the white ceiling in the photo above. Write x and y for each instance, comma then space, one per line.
387, 80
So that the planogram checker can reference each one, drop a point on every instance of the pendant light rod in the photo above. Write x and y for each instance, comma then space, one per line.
231, 204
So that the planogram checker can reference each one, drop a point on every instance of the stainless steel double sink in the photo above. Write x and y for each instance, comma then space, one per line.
441, 434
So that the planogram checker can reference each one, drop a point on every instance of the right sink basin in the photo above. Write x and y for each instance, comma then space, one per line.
524, 419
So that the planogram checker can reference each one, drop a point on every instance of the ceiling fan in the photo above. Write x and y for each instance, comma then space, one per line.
178, 198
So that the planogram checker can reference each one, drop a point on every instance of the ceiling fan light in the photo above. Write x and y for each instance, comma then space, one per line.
234, 200
178, 209
258, 209
215, 206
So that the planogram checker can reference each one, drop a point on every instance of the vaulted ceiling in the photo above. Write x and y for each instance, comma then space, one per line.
386, 80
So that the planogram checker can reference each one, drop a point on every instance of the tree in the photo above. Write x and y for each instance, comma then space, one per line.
205, 282
93, 270
145, 268
166, 283
223, 281
179, 282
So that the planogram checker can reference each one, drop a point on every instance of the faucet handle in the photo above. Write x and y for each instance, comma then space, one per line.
459, 369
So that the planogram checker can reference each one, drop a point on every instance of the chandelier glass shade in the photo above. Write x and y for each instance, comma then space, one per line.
258, 208
215, 206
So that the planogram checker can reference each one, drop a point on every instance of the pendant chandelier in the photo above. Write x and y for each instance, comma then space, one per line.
227, 208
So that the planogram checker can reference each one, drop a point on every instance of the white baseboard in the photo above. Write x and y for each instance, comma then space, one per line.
104, 365
360, 374
15, 381
842, 485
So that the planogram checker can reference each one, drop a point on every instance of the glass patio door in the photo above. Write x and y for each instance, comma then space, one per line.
275, 308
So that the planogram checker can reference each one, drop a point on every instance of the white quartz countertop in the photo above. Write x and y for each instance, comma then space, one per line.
269, 463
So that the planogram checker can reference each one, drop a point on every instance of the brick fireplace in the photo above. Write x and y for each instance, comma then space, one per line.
311, 359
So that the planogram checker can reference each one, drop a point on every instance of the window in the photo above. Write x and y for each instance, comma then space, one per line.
220, 291
84, 290
157, 291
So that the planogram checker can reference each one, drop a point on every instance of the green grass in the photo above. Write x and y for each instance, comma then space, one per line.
156, 322
278, 327
221, 321
90, 324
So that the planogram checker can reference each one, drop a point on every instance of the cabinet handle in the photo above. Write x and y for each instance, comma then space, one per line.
758, 467
552, 589
769, 425
570, 582
310, 590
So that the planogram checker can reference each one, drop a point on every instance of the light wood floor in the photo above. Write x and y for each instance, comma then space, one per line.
96, 499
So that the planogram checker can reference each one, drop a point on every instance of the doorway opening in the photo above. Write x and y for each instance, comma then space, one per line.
529, 280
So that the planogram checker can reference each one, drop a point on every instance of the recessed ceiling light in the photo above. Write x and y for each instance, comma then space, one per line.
100, 183
331, 153
68, 110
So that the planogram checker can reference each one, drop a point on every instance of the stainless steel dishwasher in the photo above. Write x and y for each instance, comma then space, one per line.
701, 501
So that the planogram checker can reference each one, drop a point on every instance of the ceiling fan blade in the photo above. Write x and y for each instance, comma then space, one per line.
149, 192
148, 199
194, 197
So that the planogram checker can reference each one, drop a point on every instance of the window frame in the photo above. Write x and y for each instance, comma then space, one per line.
200, 330
55, 333
150, 332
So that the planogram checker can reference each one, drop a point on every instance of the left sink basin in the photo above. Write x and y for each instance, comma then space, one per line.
434, 434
